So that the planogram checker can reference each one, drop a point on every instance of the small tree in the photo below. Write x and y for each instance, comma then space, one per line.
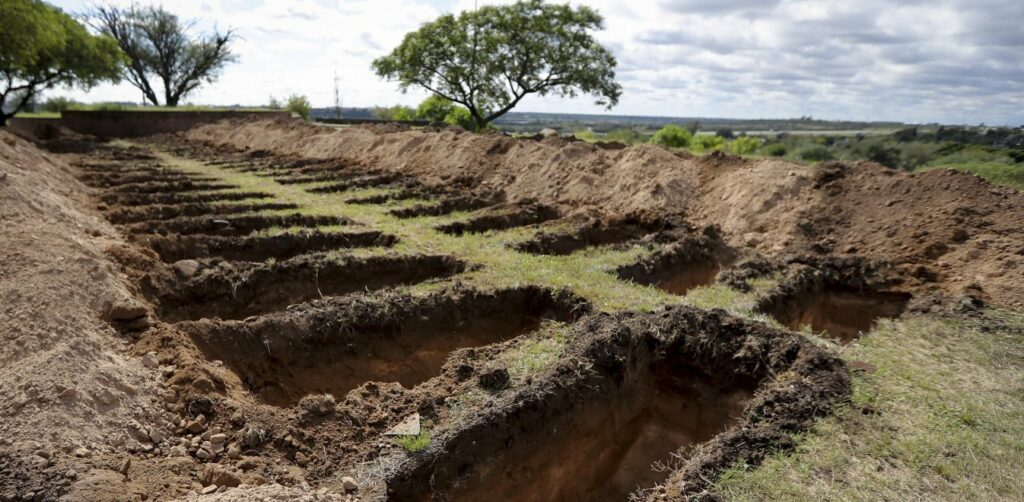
159, 46
299, 105
275, 104
41, 47
707, 143
672, 136
435, 109
745, 145
490, 58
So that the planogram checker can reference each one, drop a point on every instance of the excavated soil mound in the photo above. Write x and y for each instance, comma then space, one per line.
964, 232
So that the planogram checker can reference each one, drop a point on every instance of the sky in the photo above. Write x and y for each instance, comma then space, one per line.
919, 61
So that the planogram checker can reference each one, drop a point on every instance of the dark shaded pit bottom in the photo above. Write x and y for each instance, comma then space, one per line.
841, 314
613, 445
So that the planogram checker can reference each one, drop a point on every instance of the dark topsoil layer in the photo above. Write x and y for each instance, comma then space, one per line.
447, 205
260, 247
691, 260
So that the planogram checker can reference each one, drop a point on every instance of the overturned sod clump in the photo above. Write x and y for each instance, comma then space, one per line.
841, 298
501, 219
232, 225
691, 261
235, 290
114, 179
352, 182
164, 187
259, 247
336, 345
659, 402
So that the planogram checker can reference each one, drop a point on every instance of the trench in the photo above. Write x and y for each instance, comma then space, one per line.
680, 267
446, 206
169, 187
613, 444
232, 225
840, 313
655, 388
357, 182
260, 247
339, 346
138, 214
150, 199
589, 235
503, 220
236, 290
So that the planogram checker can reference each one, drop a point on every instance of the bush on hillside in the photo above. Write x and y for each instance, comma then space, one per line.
672, 136
745, 145
816, 153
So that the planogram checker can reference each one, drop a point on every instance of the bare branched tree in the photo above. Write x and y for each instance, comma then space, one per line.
158, 45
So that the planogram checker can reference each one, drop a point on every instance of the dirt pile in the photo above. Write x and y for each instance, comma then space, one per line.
953, 229
70, 400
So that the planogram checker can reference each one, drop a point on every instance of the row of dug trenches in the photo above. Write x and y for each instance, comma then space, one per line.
325, 350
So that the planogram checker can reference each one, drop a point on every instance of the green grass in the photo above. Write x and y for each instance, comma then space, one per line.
413, 444
997, 173
942, 418
538, 352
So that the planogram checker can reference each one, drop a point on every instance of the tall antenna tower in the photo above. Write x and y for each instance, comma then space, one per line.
337, 97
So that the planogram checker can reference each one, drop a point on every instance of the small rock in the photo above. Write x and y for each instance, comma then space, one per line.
155, 436
408, 427
178, 451
234, 452
209, 489
218, 438
150, 360
71, 474
124, 311
349, 484
82, 452
196, 425
124, 466
202, 454
186, 268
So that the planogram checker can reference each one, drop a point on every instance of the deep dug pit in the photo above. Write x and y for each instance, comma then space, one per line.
691, 261
149, 199
501, 219
336, 345
659, 402
235, 290
232, 225
172, 248
597, 232
138, 214
839, 298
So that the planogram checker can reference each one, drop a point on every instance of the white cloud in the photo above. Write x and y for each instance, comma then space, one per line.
914, 60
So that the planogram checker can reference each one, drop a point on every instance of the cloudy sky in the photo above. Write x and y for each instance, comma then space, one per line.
950, 61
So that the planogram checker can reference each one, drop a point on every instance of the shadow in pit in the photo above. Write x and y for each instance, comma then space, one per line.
501, 219
338, 344
692, 261
662, 402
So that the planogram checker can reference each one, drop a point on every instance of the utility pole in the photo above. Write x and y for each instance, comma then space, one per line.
337, 97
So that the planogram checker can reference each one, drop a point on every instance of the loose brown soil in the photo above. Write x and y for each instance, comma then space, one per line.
599, 232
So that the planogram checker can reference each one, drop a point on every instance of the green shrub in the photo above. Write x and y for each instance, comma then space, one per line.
745, 145
435, 109
460, 116
672, 136
776, 150
59, 104
887, 156
705, 143
816, 153
299, 105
